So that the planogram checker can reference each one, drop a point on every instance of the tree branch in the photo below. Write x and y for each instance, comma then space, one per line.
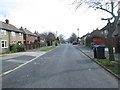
112, 7
106, 11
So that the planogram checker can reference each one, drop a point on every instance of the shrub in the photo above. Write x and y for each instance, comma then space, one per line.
18, 48
42, 44
88, 41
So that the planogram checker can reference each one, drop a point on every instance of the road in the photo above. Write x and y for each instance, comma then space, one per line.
63, 67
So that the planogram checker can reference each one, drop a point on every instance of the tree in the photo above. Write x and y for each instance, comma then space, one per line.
109, 7
73, 37
61, 38
49, 37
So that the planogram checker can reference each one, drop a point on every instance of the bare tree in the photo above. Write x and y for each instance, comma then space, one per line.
49, 37
61, 37
73, 37
106, 6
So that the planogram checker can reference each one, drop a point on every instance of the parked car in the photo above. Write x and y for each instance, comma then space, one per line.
92, 45
74, 43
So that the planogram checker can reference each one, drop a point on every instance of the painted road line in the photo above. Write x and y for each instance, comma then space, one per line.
7, 72
12, 70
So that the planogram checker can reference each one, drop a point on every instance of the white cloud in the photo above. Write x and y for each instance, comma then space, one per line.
53, 15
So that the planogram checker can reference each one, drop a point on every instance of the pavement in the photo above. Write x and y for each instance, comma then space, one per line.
13, 60
63, 67
90, 52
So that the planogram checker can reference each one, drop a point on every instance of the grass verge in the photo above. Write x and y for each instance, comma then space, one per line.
47, 49
111, 65
7, 52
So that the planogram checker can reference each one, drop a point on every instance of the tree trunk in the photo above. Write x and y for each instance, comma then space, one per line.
117, 46
110, 47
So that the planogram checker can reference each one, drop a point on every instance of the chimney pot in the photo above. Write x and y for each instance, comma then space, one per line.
21, 27
7, 21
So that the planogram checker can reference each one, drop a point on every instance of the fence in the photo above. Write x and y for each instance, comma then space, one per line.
103, 41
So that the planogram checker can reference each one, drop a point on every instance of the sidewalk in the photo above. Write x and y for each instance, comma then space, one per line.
90, 53
34, 53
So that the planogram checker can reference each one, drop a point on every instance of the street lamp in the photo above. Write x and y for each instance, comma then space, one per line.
78, 35
78, 32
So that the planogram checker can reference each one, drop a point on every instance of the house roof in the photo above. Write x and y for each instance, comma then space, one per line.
85, 35
38, 34
106, 27
26, 31
8, 27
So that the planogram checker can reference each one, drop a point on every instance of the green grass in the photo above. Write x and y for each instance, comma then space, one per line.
113, 66
7, 52
47, 49
105, 62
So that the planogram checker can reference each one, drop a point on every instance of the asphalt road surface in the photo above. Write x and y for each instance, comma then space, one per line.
63, 67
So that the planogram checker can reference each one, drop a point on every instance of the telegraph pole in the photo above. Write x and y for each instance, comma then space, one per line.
56, 34
78, 32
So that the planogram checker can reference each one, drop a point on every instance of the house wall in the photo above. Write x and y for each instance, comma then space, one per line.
30, 38
98, 33
4, 37
83, 40
103, 41
16, 38
9, 38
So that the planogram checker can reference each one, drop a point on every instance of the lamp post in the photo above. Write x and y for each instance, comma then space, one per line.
78, 32
56, 43
78, 36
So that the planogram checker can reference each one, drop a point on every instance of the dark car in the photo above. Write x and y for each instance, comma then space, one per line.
92, 45
74, 43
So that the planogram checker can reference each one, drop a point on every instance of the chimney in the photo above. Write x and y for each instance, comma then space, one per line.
7, 21
21, 27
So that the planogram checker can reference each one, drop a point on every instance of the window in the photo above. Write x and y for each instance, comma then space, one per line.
13, 43
3, 43
102, 32
13, 33
3, 32
20, 34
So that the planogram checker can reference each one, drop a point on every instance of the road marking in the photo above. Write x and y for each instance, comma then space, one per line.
12, 70
7, 72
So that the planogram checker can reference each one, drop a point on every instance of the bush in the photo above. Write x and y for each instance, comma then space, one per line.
88, 41
42, 44
18, 48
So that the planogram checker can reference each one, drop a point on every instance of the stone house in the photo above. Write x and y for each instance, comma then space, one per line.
9, 36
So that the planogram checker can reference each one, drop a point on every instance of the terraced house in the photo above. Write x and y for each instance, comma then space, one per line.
9, 36
29, 38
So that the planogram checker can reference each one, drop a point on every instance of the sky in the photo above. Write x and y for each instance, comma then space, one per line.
51, 15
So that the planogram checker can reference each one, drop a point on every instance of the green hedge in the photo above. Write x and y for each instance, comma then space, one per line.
18, 48
42, 44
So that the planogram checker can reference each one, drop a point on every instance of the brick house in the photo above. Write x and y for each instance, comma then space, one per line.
9, 36
38, 36
83, 39
103, 39
41, 37
97, 32
29, 38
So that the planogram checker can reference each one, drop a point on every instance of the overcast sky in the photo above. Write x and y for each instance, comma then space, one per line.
51, 15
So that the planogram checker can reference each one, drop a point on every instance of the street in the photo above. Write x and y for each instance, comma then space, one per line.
63, 67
